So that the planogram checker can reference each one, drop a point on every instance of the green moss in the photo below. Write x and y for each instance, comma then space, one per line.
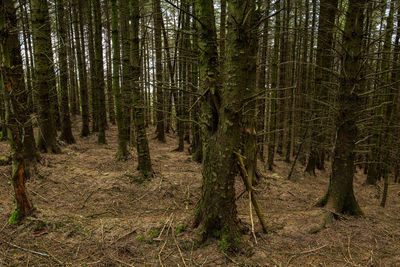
181, 228
15, 217
40, 225
140, 238
224, 244
153, 233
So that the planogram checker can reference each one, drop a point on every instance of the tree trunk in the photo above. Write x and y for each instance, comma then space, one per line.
45, 77
216, 210
110, 98
66, 131
80, 51
324, 62
142, 146
12, 80
340, 196
122, 152
99, 74
159, 74
273, 94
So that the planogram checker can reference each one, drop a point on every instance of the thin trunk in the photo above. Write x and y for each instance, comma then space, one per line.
66, 131
99, 74
159, 73
142, 146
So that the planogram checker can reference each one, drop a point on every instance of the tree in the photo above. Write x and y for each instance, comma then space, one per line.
99, 74
80, 51
222, 116
122, 152
45, 76
110, 98
340, 196
324, 62
159, 74
273, 93
12, 80
66, 131
142, 146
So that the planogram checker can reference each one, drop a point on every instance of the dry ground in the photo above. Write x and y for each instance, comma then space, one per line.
93, 211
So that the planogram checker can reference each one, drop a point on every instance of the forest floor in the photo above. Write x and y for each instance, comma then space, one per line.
92, 210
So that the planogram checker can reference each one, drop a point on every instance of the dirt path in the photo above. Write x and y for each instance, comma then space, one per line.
94, 211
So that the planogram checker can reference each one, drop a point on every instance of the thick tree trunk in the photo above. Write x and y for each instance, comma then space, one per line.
340, 196
12, 80
216, 210
45, 76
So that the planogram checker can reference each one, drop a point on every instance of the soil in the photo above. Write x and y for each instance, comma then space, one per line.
92, 210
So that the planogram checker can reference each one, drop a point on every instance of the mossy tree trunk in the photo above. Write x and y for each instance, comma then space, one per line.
340, 196
45, 76
222, 117
142, 146
12, 79
66, 131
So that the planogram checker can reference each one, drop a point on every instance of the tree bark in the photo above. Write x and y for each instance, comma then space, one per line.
340, 196
66, 131
12, 80
45, 76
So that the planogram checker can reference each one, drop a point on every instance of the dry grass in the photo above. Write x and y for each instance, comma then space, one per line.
93, 211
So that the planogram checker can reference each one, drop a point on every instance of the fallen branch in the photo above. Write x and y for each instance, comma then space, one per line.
249, 187
304, 252
29, 250
179, 249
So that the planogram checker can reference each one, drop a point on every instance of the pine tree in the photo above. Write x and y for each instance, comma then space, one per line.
66, 131
45, 77
12, 81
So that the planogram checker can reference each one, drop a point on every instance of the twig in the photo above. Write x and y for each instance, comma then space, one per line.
124, 236
232, 260
87, 198
179, 249
39, 195
165, 224
305, 252
165, 242
251, 219
28, 250
348, 248
247, 182
4, 227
